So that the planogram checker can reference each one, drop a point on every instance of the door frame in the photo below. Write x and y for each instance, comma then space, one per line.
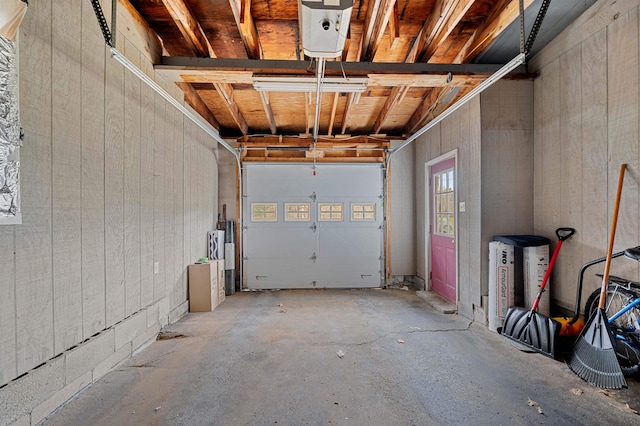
428, 217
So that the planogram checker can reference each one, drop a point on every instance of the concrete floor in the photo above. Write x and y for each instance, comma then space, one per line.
254, 362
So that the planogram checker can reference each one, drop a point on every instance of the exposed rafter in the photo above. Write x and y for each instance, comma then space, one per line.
391, 44
264, 96
426, 109
189, 27
225, 90
378, 24
392, 100
347, 109
445, 16
193, 99
502, 14
334, 108
247, 27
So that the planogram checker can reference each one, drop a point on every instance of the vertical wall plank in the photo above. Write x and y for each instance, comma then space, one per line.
92, 196
34, 276
594, 230
186, 185
470, 220
159, 211
8, 362
114, 192
623, 85
176, 288
146, 195
570, 168
66, 167
548, 148
403, 212
170, 202
132, 216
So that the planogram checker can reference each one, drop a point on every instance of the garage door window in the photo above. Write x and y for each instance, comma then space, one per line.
363, 212
297, 212
331, 212
264, 212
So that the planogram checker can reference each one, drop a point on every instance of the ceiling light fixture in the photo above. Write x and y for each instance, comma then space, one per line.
309, 84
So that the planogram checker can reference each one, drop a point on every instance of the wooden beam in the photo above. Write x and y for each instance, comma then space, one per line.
380, 22
392, 100
267, 109
347, 110
194, 100
445, 16
247, 27
333, 68
501, 15
423, 80
307, 102
426, 108
225, 90
334, 107
369, 24
189, 27
394, 25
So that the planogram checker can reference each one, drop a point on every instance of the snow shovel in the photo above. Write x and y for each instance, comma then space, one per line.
529, 327
594, 357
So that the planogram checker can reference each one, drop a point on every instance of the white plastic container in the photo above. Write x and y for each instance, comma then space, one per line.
501, 282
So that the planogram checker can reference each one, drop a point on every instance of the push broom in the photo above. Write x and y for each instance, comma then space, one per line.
594, 357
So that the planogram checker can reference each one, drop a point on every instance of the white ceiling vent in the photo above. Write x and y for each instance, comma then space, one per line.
324, 25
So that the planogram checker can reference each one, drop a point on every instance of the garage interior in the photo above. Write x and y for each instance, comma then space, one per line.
132, 151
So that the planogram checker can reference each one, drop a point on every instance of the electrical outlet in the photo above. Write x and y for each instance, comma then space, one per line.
156, 268
463, 206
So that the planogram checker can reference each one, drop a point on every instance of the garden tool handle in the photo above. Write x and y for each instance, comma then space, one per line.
564, 233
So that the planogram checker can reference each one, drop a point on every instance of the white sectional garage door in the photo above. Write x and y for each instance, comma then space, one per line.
306, 231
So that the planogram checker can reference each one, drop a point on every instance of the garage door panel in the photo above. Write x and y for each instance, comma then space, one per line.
268, 273
333, 181
334, 250
349, 273
294, 181
286, 242
349, 242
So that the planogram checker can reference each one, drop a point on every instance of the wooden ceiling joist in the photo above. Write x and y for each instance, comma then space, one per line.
247, 27
189, 27
450, 33
264, 96
379, 24
422, 113
444, 17
369, 25
194, 100
347, 110
502, 14
424, 80
334, 108
225, 90
392, 100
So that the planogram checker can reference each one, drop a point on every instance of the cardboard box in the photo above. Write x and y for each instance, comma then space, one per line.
204, 287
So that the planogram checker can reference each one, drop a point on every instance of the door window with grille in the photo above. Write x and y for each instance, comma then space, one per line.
443, 202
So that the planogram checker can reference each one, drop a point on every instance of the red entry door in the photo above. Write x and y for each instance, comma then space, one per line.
443, 229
